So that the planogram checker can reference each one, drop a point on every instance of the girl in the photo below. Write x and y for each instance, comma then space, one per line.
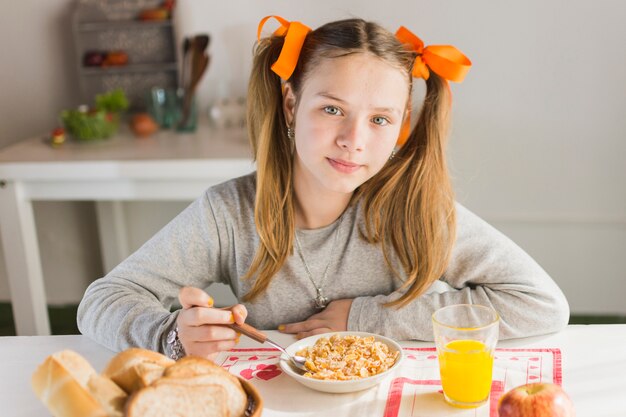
335, 230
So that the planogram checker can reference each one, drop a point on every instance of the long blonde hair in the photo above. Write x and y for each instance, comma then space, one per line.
408, 205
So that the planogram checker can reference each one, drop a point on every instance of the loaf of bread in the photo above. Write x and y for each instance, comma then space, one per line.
139, 383
134, 368
69, 386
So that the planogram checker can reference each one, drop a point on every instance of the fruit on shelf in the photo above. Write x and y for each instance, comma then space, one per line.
115, 59
536, 400
105, 58
93, 58
169, 5
157, 13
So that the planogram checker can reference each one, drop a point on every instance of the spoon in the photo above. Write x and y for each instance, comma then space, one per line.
254, 334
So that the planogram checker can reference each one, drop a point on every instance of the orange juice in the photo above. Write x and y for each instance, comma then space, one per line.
466, 367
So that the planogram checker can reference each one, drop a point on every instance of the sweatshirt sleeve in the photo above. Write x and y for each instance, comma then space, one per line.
485, 268
130, 306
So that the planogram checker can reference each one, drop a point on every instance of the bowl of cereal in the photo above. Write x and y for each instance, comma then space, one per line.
344, 361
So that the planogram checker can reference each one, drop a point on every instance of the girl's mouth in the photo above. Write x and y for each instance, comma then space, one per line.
343, 166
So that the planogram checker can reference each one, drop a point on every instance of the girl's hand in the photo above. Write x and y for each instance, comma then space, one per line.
333, 318
199, 327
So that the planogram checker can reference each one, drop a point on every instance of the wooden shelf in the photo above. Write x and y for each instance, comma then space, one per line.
122, 24
126, 69
112, 25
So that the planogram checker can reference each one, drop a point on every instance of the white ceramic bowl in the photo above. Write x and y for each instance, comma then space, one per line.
339, 386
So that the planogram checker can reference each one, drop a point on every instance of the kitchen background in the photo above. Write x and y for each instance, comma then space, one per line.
537, 145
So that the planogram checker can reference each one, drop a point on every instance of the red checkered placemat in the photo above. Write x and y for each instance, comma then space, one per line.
414, 391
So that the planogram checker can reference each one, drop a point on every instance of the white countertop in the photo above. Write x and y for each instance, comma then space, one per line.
166, 166
593, 370
165, 154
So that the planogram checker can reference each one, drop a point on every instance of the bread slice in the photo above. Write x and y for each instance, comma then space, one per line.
62, 382
194, 365
135, 368
167, 400
192, 370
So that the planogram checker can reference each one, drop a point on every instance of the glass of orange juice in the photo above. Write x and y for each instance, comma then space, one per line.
466, 336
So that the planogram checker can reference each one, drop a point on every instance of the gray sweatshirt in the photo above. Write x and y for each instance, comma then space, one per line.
214, 240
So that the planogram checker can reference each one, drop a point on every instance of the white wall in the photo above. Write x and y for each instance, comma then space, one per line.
37, 81
538, 136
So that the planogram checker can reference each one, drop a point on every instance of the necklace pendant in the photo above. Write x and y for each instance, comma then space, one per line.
320, 301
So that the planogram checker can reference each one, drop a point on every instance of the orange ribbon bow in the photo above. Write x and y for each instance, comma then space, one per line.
294, 33
445, 60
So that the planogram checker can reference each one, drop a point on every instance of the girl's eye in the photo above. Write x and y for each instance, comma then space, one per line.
332, 110
379, 120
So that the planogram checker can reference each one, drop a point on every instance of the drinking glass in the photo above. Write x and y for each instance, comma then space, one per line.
466, 336
161, 106
171, 109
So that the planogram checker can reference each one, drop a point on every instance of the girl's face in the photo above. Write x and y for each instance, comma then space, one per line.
347, 121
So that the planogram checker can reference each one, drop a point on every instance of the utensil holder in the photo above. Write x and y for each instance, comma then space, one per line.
187, 111
172, 109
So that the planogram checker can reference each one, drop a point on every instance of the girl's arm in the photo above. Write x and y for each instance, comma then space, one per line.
486, 268
131, 305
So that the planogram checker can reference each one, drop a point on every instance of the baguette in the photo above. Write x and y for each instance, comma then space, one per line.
69, 386
110, 396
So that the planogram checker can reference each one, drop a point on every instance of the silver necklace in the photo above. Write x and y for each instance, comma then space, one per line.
320, 301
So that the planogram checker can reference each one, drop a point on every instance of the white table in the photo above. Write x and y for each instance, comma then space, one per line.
166, 166
594, 369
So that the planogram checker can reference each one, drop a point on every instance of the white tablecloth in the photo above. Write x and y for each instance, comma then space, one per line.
592, 370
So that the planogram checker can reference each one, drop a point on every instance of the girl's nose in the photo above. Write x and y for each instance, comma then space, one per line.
351, 137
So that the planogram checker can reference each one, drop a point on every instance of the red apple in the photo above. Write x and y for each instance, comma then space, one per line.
536, 400
143, 125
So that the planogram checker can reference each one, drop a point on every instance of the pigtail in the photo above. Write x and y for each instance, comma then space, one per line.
409, 205
273, 213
